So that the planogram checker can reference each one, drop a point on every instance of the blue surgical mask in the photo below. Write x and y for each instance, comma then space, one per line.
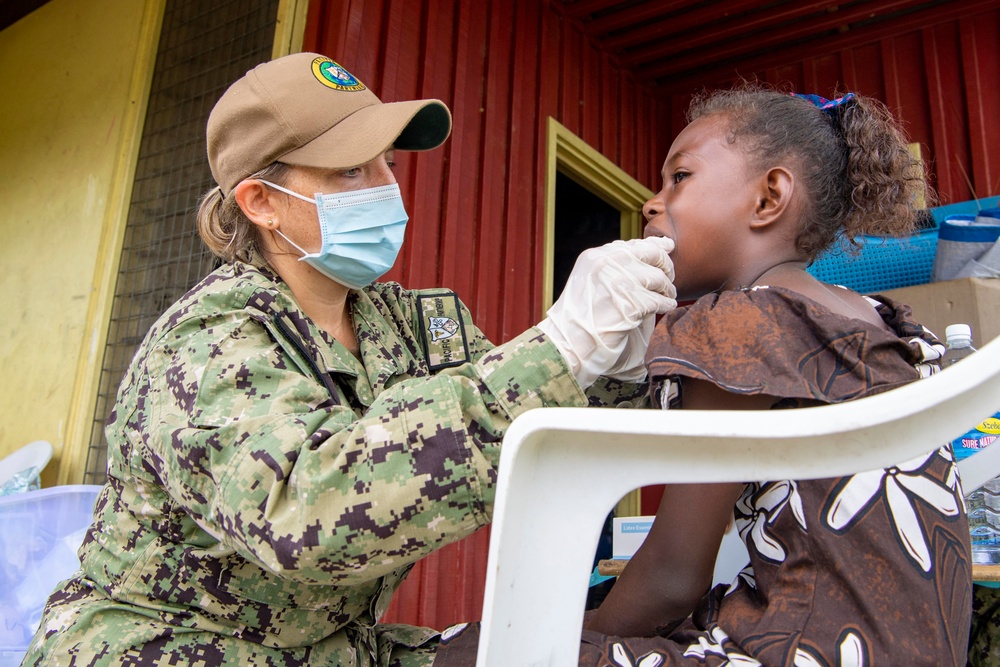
362, 232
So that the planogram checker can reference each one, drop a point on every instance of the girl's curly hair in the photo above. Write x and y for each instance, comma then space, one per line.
858, 173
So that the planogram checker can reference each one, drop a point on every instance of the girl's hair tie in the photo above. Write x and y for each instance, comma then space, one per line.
824, 104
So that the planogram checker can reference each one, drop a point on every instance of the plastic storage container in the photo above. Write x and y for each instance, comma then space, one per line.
984, 503
40, 533
882, 263
967, 246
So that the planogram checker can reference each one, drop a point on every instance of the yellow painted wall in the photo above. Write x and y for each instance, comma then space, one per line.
75, 79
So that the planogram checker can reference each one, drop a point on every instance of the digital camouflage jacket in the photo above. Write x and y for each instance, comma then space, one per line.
268, 492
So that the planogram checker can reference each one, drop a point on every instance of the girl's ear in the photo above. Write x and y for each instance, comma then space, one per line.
257, 202
777, 186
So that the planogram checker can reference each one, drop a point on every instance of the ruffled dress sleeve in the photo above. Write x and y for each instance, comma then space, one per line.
770, 340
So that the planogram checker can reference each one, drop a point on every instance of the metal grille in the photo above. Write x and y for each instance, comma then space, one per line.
204, 46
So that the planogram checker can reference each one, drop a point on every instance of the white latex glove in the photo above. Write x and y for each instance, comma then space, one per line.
604, 317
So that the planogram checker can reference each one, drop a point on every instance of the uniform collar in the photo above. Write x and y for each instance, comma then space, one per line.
383, 353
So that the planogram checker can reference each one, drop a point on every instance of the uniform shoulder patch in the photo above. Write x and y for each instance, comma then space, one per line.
443, 328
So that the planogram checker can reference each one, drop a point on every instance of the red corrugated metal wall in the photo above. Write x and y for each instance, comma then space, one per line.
943, 80
503, 66
476, 205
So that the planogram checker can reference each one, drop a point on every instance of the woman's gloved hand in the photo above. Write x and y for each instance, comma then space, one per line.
604, 317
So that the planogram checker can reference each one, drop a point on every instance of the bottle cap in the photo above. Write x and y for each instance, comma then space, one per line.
954, 331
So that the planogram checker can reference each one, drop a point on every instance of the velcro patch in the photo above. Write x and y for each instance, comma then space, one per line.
444, 331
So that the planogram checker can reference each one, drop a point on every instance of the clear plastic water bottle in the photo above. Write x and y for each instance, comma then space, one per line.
984, 503
958, 338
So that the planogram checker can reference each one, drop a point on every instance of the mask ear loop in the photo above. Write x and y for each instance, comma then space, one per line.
278, 231
295, 245
287, 191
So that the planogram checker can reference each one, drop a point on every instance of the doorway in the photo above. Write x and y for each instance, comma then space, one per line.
583, 220
589, 201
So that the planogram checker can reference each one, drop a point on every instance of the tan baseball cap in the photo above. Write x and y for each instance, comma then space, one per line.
304, 109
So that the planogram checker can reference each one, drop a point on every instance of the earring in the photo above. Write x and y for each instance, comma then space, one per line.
270, 223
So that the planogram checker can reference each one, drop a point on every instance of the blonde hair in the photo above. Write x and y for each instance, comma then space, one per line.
223, 226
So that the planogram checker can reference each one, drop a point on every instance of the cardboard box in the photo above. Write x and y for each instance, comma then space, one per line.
972, 301
628, 534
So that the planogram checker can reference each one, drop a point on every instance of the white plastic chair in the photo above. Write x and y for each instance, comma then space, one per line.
563, 469
20, 470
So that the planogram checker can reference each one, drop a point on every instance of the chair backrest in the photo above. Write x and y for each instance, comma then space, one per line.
20, 470
563, 469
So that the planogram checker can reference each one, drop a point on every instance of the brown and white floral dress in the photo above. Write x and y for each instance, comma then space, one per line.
871, 569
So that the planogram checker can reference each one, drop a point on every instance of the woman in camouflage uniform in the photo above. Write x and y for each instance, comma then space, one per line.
291, 437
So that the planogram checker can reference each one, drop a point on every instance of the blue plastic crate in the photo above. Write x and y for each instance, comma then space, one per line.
883, 263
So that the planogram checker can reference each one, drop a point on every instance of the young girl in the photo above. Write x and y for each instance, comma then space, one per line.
867, 570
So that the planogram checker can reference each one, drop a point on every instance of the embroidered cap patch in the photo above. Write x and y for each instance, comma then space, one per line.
334, 76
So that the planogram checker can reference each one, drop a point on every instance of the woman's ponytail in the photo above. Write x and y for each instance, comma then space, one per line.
223, 226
